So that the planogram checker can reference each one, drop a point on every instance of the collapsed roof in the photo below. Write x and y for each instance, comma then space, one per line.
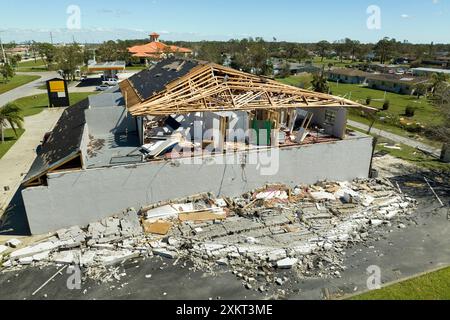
180, 86
63, 144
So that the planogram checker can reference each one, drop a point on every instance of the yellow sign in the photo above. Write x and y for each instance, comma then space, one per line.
57, 86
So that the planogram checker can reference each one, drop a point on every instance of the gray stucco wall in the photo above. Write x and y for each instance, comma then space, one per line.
78, 198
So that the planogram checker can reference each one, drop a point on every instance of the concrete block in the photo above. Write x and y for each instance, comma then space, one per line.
3, 248
26, 260
13, 243
88, 258
43, 256
67, 257
277, 255
32, 250
376, 222
109, 258
165, 253
287, 263
7, 264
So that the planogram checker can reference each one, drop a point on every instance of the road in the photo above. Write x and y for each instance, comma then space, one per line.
29, 88
397, 138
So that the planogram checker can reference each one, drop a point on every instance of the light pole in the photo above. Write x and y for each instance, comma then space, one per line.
3, 49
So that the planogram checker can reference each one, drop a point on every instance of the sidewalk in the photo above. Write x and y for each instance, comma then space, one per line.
17, 161
397, 138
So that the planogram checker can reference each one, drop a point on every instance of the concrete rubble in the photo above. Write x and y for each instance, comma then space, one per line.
304, 229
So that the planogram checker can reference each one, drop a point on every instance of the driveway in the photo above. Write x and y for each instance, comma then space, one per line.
29, 88
15, 164
397, 138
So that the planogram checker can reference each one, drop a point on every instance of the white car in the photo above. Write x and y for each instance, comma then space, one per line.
103, 87
111, 82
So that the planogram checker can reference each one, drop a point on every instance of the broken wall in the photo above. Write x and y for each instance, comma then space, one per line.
337, 129
80, 197
84, 145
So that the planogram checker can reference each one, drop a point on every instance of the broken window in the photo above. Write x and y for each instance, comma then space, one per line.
330, 117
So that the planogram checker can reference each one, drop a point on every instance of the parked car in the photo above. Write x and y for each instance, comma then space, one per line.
102, 87
111, 82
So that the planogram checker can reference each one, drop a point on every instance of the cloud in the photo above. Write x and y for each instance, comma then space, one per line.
406, 16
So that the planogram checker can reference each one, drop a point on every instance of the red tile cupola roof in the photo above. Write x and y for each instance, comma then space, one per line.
156, 49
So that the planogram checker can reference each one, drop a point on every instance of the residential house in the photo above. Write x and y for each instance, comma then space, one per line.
345, 75
426, 72
394, 83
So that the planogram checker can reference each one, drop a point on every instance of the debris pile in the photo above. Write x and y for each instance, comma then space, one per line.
305, 228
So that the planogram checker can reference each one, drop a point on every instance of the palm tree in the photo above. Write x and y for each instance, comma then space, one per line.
12, 114
437, 79
320, 83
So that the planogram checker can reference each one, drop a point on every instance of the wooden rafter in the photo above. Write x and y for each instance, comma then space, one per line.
212, 88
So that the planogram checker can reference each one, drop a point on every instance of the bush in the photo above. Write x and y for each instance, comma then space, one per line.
368, 100
414, 128
410, 111
386, 105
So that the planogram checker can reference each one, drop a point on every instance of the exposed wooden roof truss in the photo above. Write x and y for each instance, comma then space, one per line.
214, 88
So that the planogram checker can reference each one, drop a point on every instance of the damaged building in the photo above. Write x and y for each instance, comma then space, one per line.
184, 127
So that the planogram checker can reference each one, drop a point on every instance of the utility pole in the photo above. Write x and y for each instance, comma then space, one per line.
3, 50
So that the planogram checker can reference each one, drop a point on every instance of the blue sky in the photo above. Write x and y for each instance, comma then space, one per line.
291, 20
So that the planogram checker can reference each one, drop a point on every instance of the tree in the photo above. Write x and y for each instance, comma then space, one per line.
69, 58
353, 47
14, 60
339, 47
437, 80
211, 51
320, 83
420, 89
295, 51
285, 71
251, 56
12, 114
47, 52
322, 47
7, 71
441, 99
113, 51
385, 49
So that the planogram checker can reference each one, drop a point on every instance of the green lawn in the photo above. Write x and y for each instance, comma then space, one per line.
433, 286
33, 105
409, 154
10, 139
335, 61
16, 81
425, 112
32, 66
303, 80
